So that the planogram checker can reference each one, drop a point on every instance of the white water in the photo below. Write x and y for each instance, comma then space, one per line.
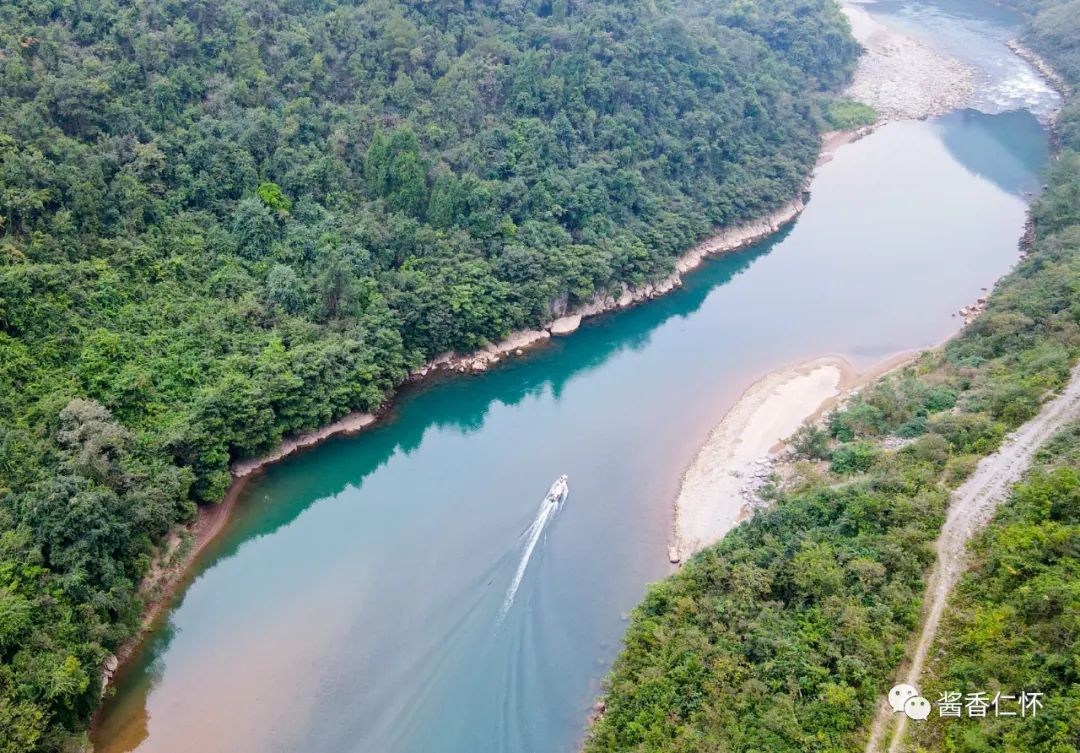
975, 33
532, 535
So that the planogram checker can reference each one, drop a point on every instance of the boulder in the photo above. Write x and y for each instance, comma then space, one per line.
112, 663
565, 325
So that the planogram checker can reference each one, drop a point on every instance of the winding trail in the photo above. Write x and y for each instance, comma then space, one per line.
973, 504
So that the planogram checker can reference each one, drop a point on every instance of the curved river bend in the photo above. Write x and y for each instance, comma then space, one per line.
353, 602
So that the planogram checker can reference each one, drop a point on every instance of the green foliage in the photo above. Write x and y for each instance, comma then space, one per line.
272, 195
1053, 31
778, 638
856, 457
811, 442
783, 636
283, 289
254, 228
395, 171
841, 114
802, 613
222, 224
1013, 624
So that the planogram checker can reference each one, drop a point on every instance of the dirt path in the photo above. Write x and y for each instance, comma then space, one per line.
973, 504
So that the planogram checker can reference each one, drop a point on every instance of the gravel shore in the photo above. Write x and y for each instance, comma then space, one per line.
902, 78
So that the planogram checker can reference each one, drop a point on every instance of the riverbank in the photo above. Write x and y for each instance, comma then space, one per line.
725, 241
720, 487
184, 546
168, 573
1039, 63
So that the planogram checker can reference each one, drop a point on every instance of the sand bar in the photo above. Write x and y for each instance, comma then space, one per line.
712, 497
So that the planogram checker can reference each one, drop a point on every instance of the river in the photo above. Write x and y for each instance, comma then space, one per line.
353, 602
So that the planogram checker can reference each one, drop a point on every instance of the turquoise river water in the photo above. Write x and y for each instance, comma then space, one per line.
352, 604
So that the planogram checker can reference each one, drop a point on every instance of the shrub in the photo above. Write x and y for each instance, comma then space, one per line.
855, 457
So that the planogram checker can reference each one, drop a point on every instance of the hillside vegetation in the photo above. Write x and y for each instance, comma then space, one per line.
1013, 624
784, 636
223, 222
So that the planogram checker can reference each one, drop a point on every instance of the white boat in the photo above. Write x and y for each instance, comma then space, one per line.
558, 491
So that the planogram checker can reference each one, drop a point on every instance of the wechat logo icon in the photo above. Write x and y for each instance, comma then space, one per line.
906, 698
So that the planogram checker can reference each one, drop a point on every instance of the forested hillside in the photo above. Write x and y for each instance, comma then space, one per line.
225, 221
784, 636
1054, 31
1013, 624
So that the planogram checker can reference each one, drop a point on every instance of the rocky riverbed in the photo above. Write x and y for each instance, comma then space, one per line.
901, 77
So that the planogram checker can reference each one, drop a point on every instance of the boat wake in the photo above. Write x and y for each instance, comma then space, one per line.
551, 504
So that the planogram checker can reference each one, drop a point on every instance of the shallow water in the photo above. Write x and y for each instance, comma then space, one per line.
974, 32
352, 603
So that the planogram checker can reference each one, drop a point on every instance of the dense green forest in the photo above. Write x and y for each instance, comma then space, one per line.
783, 636
223, 222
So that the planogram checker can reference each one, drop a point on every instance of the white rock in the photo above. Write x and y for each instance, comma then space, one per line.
565, 325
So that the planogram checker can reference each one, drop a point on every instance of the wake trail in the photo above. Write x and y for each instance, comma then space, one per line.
532, 535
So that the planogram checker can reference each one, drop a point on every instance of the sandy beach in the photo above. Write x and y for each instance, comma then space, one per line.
718, 490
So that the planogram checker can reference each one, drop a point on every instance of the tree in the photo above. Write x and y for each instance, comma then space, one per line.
408, 184
334, 286
273, 197
283, 289
377, 165
255, 228
445, 203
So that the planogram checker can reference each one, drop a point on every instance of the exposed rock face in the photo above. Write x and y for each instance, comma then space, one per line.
739, 236
492, 353
107, 672
972, 312
564, 325
559, 306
